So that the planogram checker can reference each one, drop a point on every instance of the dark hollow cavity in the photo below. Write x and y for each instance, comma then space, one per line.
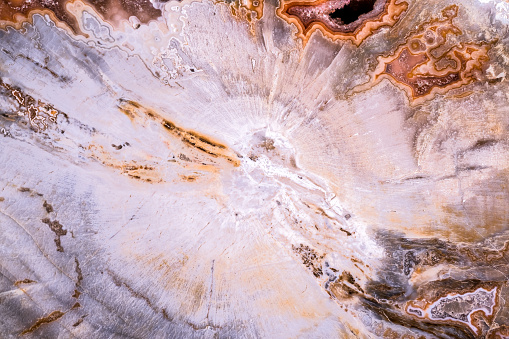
352, 11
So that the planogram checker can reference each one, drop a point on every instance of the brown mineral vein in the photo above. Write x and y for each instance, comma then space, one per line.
191, 138
57, 268
77, 323
58, 229
133, 169
78, 272
119, 283
24, 281
55, 315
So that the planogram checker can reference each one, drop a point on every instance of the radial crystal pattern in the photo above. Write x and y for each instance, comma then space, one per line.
254, 169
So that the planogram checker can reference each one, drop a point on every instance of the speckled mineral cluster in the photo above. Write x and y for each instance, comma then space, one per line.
254, 169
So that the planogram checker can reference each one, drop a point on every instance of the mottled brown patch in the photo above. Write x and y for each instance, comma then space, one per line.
391, 334
189, 178
310, 258
58, 229
426, 64
243, 9
268, 144
487, 255
38, 113
114, 11
47, 207
345, 286
15, 12
501, 332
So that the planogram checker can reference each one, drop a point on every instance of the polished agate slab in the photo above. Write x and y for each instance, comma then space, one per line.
254, 169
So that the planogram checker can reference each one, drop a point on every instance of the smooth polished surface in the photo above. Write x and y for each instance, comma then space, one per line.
254, 169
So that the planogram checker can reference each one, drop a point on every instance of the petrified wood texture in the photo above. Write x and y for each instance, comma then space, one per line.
254, 169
